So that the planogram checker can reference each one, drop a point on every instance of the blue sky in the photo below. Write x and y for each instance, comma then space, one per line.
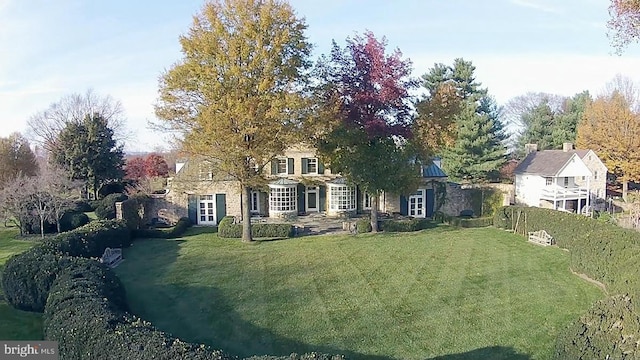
49, 49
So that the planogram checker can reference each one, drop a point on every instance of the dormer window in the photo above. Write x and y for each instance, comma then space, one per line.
282, 166
312, 166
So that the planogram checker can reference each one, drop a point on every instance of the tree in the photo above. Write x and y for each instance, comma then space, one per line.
135, 168
88, 151
624, 24
366, 92
15, 205
477, 152
16, 158
155, 166
46, 126
612, 130
62, 192
236, 97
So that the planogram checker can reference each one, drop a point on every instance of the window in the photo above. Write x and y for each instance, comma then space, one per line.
283, 199
312, 166
282, 166
342, 197
255, 202
206, 208
367, 201
205, 172
595, 175
566, 182
548, 181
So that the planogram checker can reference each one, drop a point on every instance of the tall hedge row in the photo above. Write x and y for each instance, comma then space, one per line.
227, 229
84, 302
604, 252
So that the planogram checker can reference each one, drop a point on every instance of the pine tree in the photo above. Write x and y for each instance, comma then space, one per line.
478, 150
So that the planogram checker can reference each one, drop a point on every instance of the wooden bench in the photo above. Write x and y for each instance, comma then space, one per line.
111, 257
541, 237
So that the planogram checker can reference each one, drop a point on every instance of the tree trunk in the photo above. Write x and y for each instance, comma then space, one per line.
58, 222
41, 226
374, 214
625, 189
246, 214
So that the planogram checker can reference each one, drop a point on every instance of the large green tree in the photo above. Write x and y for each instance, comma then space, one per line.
89, 152
236, 96
16, 158
367, 138
478, 150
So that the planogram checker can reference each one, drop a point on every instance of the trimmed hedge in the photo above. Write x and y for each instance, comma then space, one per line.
602, 251
165, 233
72, 220
363, 226
464, 221
227, 229
415, 224
106, 210
27, 277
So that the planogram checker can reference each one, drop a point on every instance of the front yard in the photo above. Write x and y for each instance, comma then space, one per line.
472, 293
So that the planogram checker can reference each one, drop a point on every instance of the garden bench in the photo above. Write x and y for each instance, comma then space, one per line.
541, 237
111, 257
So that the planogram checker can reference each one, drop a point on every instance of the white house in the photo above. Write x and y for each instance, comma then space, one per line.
557, 179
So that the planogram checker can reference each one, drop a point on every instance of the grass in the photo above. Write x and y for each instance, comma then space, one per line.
439, 293
16, 324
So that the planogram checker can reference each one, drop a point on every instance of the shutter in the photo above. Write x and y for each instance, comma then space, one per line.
431, 200
320, 167
359, 199
404, 205
221, 207
323, 198
305, 165
301, 198
192, 208
274, 167
290, 166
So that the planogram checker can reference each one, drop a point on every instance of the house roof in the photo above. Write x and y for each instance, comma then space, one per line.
432, 170
545, 163
338, 181
283, 181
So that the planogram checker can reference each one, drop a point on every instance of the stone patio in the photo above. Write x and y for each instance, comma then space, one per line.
311, 224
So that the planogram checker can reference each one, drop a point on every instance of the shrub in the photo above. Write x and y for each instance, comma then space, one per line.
415, 224
227, 229
471, 222
72, 220
83, 206
106, 210
27, 277
363, 226
94, 204
114, 187
131, 211
165, 233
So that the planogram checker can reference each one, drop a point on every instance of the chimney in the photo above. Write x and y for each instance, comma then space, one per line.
529, 148
567, 146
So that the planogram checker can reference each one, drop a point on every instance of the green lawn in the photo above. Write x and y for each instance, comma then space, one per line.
443, 293
16, 324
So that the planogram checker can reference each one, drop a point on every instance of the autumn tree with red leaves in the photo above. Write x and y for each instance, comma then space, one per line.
151, 166
365, 117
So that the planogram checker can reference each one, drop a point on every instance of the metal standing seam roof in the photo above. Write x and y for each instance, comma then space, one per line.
545, 162
432, 171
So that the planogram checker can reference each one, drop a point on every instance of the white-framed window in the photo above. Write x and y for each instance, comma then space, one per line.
206, 209
255, 202
342, 197
367, 201
283, 199
548, 181
312, 166
205, 172
282, 166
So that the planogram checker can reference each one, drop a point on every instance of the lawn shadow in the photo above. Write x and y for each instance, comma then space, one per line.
492, 352
202, 314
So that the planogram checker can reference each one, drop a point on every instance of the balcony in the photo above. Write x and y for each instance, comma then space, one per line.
554, 192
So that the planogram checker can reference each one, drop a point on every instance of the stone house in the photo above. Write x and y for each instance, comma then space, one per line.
299, 184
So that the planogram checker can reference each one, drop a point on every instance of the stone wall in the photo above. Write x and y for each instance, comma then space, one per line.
459, 196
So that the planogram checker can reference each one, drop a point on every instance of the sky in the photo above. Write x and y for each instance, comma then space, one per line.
119, 48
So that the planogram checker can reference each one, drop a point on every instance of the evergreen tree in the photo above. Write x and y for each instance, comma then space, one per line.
478, 150
89, 152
